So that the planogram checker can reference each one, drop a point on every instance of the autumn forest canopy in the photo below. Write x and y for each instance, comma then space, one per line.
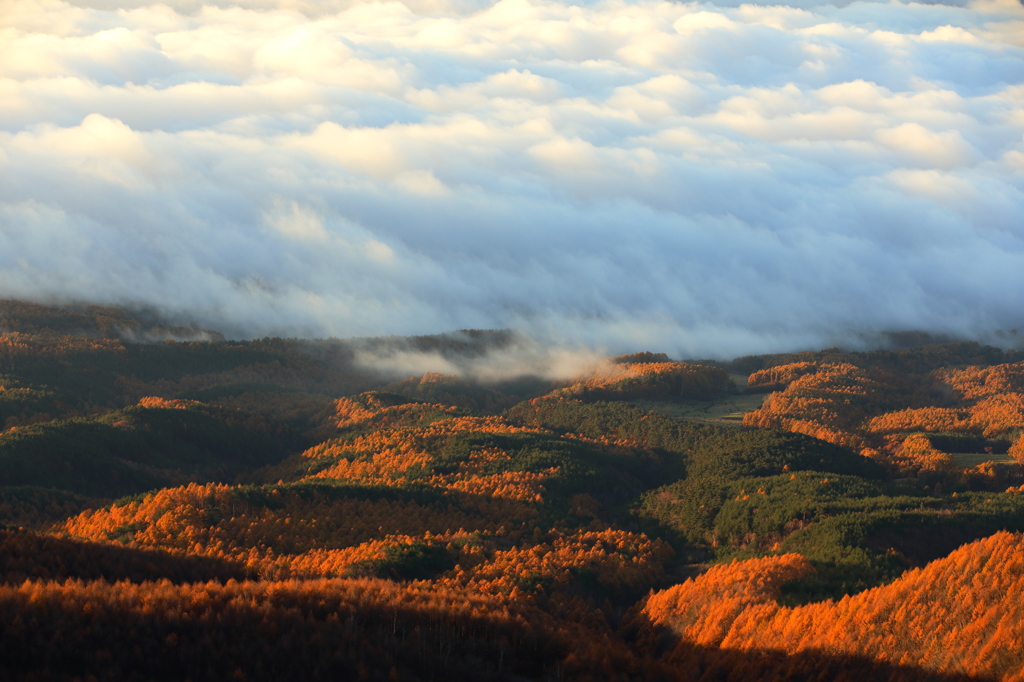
176, 505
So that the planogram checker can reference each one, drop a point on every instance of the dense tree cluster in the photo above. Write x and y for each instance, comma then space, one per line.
646, 375
898, 416
958, 615
291, 515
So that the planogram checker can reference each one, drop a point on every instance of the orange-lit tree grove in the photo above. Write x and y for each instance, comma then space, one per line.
274, 509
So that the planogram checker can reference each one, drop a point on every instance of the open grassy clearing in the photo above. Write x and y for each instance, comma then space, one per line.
728, 410
970, 459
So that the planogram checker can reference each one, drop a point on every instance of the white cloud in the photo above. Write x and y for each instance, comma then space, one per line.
704, 179
933, 149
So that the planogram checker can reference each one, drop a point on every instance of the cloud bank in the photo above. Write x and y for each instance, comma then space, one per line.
702, 179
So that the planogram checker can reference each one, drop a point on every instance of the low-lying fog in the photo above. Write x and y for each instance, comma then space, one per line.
706, 180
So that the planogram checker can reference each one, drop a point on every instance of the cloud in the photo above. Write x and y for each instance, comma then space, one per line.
701, 179
501, 357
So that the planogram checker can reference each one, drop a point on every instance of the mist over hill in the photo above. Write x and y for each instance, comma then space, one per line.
479, 505
512, 340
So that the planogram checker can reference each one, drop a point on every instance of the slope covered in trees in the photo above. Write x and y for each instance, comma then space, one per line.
959, 615
278, 509
910, 411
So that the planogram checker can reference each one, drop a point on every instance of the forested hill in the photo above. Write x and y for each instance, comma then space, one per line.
176, 505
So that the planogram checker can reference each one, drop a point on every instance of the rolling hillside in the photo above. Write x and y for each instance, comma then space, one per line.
273, 509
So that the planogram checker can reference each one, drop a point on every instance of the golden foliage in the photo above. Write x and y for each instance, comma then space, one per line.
916, 454
704, 609
617, 559
829, 403
288, 535
997, 415
919, 419
389, 456
961, 615
781, 375
1017, 449
973, 383
851, 406
657, 380
156, 402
